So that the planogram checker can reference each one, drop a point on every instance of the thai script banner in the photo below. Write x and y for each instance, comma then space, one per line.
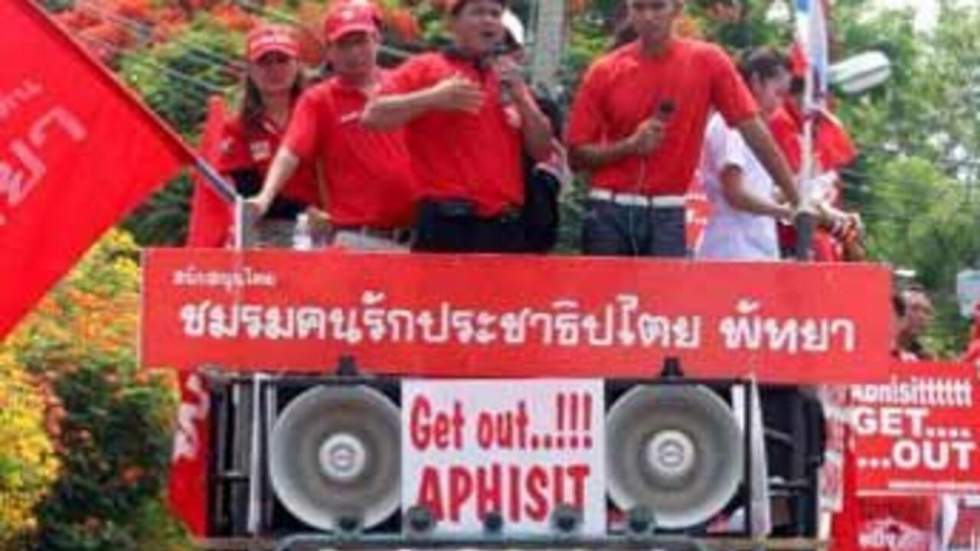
496, 316
918, 433
469, 449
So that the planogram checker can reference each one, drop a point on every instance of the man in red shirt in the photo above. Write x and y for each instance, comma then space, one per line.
637, 125
367, 177
466, 112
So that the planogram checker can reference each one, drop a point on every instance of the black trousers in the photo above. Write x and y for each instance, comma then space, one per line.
452, 226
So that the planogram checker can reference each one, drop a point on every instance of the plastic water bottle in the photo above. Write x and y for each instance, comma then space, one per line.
302, 233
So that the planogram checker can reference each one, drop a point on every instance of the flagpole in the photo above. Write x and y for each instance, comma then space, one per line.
228, 193
806, 216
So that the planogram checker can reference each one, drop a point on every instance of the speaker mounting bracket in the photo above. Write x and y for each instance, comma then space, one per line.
347, 367
671, 368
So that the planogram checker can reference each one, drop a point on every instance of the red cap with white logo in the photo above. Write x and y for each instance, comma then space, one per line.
271, 38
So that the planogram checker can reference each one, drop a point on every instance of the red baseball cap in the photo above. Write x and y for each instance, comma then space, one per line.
351, 16
271, 38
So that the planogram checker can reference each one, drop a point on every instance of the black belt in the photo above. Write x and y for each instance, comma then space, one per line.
401, 236
507, 216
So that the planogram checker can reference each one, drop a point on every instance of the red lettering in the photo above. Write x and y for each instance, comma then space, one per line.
578, 473
518, 491
515, 493
558, 484
505, 430
489, 491
418, 427
484, 430
537, 481
460, 489
522, 423
429, 493
458, 425
440, 432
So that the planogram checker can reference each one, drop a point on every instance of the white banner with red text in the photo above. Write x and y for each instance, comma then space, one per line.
519, 448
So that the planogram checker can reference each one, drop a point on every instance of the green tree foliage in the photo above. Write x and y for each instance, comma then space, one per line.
176, 78
113, 430
28, 464
920, 137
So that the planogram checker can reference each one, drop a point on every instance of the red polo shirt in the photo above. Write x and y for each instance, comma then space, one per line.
245, 148
624, 88
367, 173
786, 129
461, 155
832, 144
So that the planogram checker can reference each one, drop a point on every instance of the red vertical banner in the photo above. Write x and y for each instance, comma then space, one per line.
833, 483
77, 151
211, 215
188, 486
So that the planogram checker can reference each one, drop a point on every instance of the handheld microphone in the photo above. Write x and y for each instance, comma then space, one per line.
665, 110
502, 49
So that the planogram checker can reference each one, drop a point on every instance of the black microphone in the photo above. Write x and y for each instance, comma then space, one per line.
665, 110
502, 49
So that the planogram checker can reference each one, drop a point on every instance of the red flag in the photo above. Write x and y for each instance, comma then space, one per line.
187, 492
211, 215
77, 151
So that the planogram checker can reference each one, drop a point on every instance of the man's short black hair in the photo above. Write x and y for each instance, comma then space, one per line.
764, 63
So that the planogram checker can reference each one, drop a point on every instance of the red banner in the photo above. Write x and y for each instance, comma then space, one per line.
211, 215
187, 491
76, 152
918, 433
513, 316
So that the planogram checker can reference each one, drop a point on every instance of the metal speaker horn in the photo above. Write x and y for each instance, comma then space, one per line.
335, 454
676, 450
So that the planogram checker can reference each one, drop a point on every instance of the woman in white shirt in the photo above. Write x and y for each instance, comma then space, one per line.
743, 196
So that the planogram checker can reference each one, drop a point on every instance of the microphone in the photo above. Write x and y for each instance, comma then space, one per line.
502, 49
665, 110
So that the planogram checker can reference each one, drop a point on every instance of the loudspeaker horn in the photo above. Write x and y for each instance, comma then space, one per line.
335, 453
676, 450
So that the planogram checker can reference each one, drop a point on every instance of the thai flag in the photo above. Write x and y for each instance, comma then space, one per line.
811, 35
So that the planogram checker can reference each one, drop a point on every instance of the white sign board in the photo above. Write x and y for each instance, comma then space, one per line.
515, 447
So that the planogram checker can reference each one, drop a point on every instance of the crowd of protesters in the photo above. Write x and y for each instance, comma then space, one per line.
454, 152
